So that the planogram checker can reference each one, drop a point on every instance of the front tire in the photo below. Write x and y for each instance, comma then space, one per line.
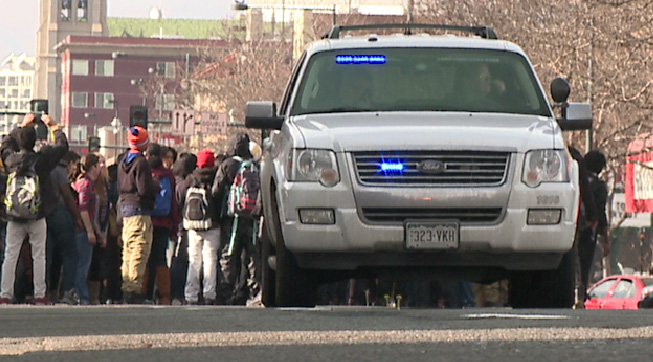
267, 273
545, 288
293, 286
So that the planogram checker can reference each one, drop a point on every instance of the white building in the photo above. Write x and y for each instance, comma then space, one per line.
16, 88
366, 7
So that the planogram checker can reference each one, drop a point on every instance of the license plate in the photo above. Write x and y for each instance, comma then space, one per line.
433, 235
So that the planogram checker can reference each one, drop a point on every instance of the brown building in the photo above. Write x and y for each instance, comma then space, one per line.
101, 77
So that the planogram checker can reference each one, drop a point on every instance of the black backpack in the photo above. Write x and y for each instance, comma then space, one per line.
199, 207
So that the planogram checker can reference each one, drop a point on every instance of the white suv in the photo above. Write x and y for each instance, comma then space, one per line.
418, 156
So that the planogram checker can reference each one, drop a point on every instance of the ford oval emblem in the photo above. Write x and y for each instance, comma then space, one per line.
431, 166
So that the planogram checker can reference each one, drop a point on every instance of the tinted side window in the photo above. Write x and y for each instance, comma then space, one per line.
625, 289
292, 83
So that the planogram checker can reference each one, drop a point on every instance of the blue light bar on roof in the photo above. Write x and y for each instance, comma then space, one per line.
360, 59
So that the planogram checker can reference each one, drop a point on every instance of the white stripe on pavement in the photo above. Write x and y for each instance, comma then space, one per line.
22, 345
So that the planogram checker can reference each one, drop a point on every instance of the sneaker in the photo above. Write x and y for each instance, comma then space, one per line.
5, 301
42, 301
70, 297
255, 303
209, 301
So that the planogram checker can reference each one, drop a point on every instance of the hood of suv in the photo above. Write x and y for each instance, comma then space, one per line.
347, 132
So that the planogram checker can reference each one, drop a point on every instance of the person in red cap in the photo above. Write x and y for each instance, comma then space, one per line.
137, 191
200, 218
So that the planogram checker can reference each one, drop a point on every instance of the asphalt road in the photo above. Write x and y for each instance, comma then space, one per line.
193, 333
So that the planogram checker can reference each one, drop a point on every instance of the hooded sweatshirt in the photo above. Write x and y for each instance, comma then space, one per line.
135, 184
44, 162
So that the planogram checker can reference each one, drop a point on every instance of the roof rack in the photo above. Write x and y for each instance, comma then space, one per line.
483, 31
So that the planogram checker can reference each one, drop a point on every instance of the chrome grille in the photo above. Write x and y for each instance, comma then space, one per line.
438, 168
400, 215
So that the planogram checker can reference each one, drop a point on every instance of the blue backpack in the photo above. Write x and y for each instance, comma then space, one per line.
163, 199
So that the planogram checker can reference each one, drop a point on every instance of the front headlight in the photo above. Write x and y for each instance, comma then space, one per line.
314, 165
544, 166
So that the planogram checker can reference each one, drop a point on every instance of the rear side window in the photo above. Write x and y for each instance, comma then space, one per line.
419, 79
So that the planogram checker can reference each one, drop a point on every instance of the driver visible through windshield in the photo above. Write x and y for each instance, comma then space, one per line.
419, 79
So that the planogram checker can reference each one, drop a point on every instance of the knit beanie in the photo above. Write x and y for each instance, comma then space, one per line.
138, 138
205, 159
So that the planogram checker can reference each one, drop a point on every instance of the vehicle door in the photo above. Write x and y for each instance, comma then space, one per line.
623, 295
598, 294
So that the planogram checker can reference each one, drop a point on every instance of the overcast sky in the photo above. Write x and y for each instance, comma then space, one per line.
19, 18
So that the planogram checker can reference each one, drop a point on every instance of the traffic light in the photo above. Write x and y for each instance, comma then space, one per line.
138, 116
39, 107
93, 143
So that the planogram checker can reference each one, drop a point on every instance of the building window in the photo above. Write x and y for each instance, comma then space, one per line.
24, 105
80, 100
26, 81
66, 6
3, 80
3, 92
13, 93
104, 100
13, 81
78, 133
104, 68
80, 67
26, 94
168, 102
82, 10
165, 69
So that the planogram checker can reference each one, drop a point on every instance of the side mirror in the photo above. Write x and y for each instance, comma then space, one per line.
576, 116
262, 115
560, 90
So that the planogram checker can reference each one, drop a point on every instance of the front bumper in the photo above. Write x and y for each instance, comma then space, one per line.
354, 241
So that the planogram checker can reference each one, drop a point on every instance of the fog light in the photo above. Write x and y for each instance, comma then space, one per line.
317, 216
544, 217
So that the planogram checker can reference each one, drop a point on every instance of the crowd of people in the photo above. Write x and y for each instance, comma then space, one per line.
158, 227
152, 227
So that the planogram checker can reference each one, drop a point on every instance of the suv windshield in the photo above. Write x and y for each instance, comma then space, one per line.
418, 79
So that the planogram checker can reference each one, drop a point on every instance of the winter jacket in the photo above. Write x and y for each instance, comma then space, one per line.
135, 184
172, 220
204, 177
227, 171
45, 160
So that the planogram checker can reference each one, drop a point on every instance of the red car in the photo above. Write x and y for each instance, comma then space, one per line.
621, 292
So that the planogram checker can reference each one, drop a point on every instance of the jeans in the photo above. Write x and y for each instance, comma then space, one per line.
16, 232
202, 253
61, 242
85, 252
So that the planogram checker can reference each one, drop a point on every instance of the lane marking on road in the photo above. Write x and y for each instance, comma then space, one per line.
515, 316
23, 345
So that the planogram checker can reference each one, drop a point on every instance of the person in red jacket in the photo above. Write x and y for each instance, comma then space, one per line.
165, 219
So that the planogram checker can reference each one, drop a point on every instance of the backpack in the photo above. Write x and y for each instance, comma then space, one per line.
163, 199
197, 209
242, 199
22, 196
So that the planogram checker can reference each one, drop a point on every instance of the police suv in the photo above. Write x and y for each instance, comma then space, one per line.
417, 156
